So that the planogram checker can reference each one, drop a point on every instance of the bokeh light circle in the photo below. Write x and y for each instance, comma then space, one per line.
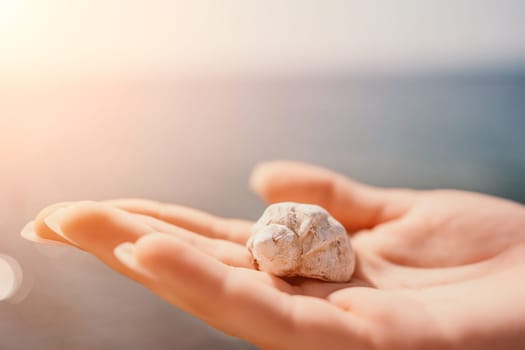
11, 277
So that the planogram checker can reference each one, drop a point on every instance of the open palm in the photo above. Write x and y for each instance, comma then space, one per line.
435, 269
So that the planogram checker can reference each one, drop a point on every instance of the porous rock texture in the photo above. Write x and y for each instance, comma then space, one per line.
294, 239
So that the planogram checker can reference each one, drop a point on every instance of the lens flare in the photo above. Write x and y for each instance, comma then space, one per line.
10, 277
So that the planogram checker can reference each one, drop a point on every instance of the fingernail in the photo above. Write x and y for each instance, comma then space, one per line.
29, 233
54, 222
125, 253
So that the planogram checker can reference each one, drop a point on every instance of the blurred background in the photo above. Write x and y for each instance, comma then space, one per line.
178, 100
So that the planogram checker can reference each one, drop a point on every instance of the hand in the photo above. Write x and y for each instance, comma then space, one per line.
435, 269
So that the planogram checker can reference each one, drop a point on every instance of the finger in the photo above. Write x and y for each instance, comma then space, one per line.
38, 231
235, 300
355, 205
212, 291
227, 252
188, 218
29, 232
99, 228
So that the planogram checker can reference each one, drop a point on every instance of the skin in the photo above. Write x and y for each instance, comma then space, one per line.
435, 269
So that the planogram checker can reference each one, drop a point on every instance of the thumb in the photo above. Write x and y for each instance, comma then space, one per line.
355, 205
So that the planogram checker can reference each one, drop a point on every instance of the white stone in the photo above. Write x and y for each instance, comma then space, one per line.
294, 239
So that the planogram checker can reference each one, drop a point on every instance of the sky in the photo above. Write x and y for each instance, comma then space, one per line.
70, 37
